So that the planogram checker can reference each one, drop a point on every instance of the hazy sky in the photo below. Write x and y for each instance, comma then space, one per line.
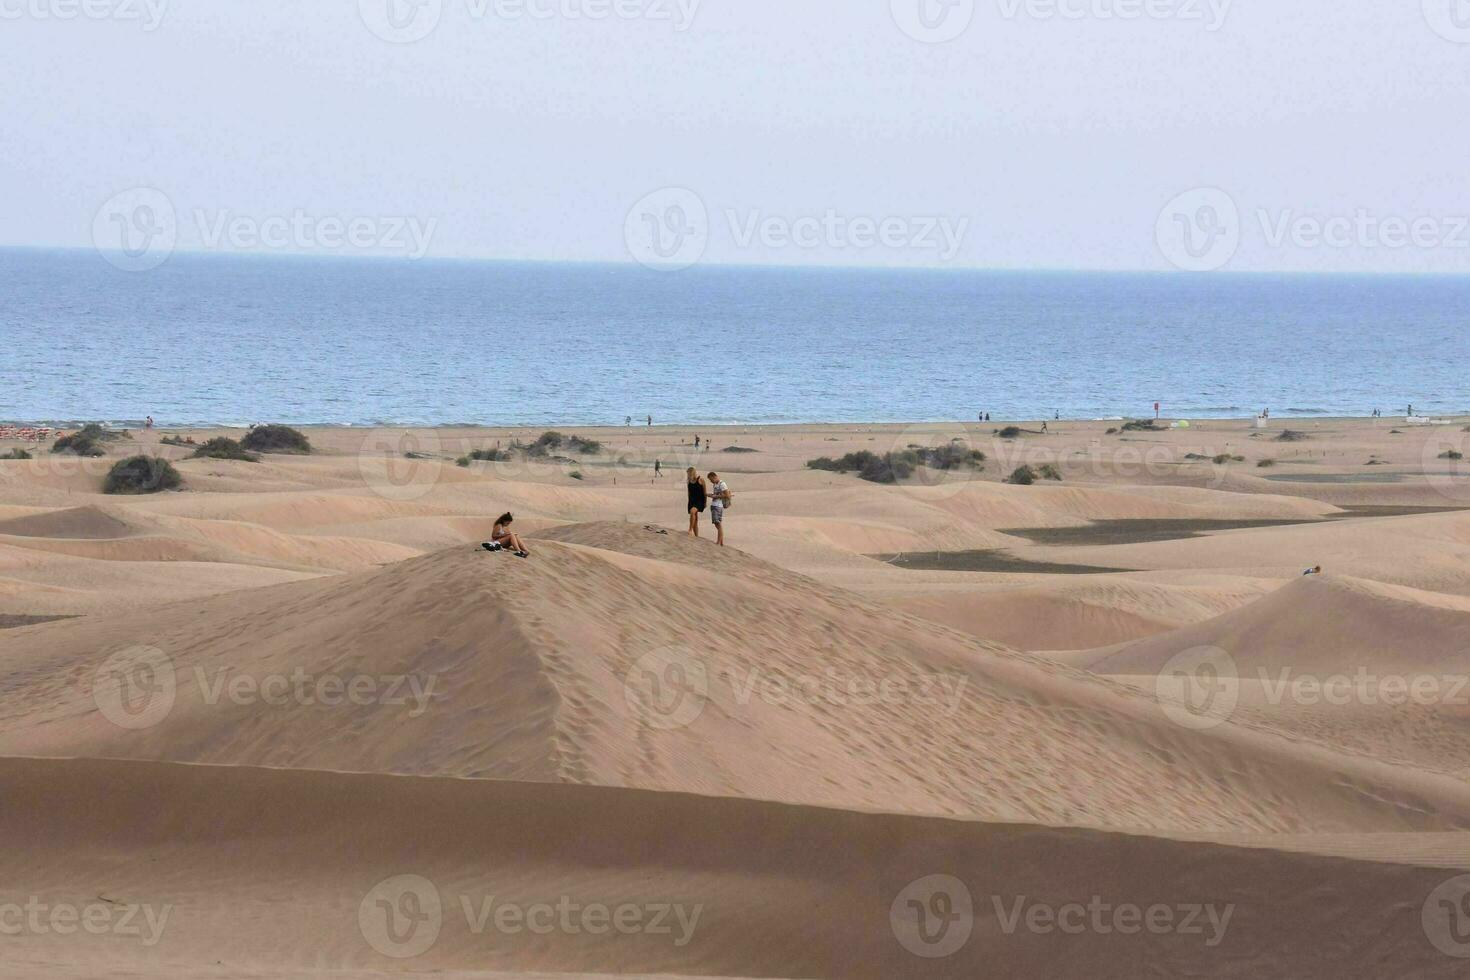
1116, 134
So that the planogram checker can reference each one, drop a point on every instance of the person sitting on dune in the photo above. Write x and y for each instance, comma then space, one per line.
1313, 571
502, 535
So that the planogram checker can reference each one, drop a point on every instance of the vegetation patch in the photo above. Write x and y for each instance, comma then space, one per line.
1010, 432
1451, 454
177, 441
1022, 476
1224, 458
17, 454
224, 448
142, 474
1142, 425
78, 444
1291, 435
896, 466
482, 456
1266, 463
739, 449
276, 439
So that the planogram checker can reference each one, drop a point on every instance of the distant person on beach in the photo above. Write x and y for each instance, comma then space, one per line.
148, 422
696, 442
987, 416
1317, 570
698, 500
1043, 428
658, 468
650, 421
502, 535
719, 496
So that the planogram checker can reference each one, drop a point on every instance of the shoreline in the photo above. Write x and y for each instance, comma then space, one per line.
997, 422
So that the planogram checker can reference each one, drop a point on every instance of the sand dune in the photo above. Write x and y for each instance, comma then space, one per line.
539, 670
1319, 623
384, 868
300, 678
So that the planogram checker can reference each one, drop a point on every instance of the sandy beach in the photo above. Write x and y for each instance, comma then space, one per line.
290, 720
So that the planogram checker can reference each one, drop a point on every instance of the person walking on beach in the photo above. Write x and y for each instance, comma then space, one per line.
650, 421
719, 496
696, 442
698, 499
658, 468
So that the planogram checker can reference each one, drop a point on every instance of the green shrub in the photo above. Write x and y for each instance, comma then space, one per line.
1010, 432
17, 454
577, 444
1142, 425
224, 448
951, 457
482, 456
1022, 476
1451, 454
847, 464
97, 433
1224, 458
575, 474
739, 449
1291, 435
276, 439
545, 445
141, 474
889, 468
1113, 431
78, 444
177, 441
1265, 463
1048, 471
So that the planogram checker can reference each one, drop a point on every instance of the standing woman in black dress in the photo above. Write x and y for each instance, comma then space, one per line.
698, 499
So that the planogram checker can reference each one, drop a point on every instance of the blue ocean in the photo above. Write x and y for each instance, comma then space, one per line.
236, 339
